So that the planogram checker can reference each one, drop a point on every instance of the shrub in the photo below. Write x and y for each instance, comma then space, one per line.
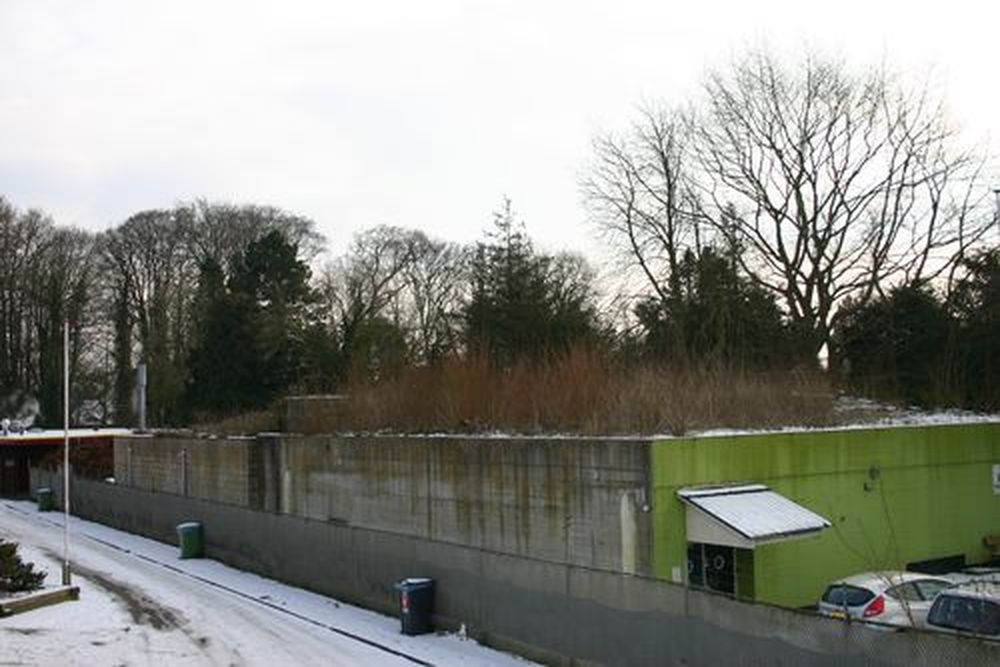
15, 574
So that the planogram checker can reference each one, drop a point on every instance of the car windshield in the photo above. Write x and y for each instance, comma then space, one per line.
969, 614
843, 595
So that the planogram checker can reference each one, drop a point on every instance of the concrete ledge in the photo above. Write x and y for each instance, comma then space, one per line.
29, 601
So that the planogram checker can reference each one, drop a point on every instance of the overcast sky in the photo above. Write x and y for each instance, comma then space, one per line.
420, 114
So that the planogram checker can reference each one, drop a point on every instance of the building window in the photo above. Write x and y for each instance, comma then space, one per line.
721, 569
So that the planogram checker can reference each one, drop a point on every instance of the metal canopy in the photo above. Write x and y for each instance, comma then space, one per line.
54, 437
746, 515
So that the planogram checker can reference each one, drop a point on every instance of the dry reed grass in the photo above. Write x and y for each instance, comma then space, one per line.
246, 423
583, 393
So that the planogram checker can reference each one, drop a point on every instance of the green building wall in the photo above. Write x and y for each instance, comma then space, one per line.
894, 496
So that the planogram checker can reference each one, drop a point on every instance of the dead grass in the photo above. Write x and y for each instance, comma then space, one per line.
247, 423
583, 393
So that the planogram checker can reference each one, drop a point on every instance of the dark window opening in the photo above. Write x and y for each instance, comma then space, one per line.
721, 569
696, 569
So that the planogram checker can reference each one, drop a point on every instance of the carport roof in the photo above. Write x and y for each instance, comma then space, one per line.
56, 436
753, 513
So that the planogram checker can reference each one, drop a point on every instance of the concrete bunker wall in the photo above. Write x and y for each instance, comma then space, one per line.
557, 613
213, 469
579, 501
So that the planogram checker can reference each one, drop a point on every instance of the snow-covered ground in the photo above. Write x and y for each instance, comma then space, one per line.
141, 605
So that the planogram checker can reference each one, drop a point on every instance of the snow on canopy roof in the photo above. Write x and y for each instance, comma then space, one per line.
56, 436
754, 511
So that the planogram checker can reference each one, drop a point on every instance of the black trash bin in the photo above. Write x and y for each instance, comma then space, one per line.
416, 604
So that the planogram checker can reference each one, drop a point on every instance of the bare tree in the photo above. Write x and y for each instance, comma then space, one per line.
62, 291
151, 263
46, 278
23, 239
218, 231
433, 294
361, 286
641, 195
827, 185
150, 275
841, 183
405, 284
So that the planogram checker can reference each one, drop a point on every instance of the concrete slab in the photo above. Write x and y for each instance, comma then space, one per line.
38, 599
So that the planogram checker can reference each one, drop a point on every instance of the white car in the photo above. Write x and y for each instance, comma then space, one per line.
971, 607
890, 597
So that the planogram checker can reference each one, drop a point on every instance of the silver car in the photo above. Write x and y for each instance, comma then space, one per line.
890, 597
972, 608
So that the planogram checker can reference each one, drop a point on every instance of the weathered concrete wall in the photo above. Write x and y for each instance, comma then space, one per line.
580, 501
558, 500
557, 613
206, 468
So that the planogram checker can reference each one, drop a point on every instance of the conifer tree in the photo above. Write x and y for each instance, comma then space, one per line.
524, 303
15, 574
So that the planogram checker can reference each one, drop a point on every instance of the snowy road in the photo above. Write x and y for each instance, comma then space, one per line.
140, 605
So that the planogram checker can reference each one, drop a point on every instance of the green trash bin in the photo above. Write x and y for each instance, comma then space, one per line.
46, 499
191, 539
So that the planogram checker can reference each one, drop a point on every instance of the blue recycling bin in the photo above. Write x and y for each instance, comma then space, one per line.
416, 605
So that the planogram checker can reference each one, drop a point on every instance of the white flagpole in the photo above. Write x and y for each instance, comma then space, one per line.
66, 570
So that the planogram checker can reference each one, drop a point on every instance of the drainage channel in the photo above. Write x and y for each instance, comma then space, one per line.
264, 603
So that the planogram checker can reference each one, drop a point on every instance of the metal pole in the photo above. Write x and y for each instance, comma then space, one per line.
996, 212
141, 387
66, 571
